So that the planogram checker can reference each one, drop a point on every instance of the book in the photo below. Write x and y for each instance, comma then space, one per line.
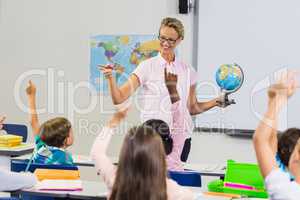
59, 185
240, 186
57, 174
10, 140
220, 194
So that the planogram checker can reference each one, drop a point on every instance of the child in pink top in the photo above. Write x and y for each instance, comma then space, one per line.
141, 171
173, 140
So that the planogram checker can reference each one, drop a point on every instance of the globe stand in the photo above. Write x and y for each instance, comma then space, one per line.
225, 101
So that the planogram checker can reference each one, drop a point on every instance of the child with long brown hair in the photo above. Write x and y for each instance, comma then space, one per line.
141, 171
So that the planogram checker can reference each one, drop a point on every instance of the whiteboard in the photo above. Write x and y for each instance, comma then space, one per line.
262, 36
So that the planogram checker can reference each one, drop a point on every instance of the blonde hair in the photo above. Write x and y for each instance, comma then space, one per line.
175, 24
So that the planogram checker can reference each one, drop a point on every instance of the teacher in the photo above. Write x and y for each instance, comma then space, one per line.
149, 76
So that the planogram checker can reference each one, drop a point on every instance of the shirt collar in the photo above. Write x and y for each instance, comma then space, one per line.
163, 62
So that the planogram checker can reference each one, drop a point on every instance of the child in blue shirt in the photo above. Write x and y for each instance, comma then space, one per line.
52, 137
277, 182
286, 144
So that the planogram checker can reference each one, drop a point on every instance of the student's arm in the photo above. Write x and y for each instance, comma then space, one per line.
274, 139
261, 139
177, 192
196, 107
171, 84
16, 181
120, 94
2, 118
103, 164
278, 95
178, 136
34, 121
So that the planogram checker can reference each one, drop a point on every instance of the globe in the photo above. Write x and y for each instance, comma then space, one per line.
229, 77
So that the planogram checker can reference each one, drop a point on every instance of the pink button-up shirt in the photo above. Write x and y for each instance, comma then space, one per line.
156, 103
154, 96
178, 135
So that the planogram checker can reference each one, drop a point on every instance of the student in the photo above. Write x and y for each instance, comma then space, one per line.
278, 183
286, 144
173, 154
52, 137
141, 171
11, 181
173, 141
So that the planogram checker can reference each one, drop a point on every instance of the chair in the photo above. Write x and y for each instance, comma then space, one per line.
186, 178
16, 129
20, 165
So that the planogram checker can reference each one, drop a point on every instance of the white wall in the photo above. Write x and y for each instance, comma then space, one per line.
262, 37
43, 34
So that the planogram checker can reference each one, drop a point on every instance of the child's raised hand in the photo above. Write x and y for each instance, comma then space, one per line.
106, 70
118, 117
31, 89
284, 88
121, 114
171, 81
2, 118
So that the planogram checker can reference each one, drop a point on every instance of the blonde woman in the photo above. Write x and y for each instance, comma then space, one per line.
149, 76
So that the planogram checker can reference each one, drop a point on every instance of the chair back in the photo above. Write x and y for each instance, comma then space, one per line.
16, 129
186, 178
20, 165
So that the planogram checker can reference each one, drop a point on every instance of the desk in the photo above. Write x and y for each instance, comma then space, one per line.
84, 160
7, 153
207, 169
91, 190
204, 169
80, 160
97, 191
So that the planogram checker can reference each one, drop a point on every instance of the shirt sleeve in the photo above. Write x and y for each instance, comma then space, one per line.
103, 164
142, 72
177, 192
16, 181
178, 135
38, 142
193, 76
280, 187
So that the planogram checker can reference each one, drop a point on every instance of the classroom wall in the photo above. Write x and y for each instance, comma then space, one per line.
50, 39
263, 38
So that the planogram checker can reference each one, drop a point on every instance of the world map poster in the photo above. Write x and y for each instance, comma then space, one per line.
125, 52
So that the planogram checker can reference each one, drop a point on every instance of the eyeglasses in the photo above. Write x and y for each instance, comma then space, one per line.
168, 40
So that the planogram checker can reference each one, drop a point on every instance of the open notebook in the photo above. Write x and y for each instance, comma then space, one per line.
60, 185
